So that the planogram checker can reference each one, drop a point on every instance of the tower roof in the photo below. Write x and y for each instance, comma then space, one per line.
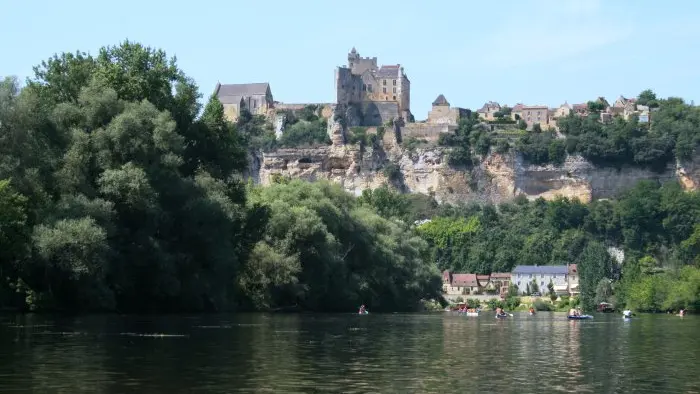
440, 100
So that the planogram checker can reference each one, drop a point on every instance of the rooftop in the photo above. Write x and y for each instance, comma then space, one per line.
464, 280
441, 100
232, 93
541, 269
391, 71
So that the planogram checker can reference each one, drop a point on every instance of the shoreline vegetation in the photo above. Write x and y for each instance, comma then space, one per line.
117, 195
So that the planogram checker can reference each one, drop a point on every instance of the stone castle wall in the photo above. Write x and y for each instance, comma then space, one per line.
426, 131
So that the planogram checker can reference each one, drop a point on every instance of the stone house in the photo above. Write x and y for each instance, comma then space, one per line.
442, 113
459, 284
562, 111
487, 112
517, 112
255, 97
535, 114
501, 282
523, 277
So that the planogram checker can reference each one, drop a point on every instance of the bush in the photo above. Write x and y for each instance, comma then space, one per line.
540, 305
512, 302
473, 303
459, 299
495, 303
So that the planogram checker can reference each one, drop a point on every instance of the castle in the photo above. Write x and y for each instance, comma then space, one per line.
366, 95
379, 94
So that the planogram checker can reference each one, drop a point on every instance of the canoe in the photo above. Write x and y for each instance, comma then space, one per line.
582, 317
472, 313
503, 316
363, 313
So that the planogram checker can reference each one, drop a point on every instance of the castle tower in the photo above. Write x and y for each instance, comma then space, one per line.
353, 58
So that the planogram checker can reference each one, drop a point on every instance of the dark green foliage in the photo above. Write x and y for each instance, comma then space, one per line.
115, 196
652, 220
673, 133
542, 148
467, 138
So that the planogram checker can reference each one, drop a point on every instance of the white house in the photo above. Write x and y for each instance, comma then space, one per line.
523, 277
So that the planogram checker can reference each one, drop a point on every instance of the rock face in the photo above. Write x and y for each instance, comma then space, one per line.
498, 177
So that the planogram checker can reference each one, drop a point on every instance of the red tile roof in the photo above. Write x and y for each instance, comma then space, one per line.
501, 275
464, 280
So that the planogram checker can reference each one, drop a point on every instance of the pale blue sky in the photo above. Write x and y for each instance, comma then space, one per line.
531, 51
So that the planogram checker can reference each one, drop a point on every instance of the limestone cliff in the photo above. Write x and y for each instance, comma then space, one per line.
498, 177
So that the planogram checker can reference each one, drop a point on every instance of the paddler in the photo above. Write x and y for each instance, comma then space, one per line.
627, 313
532, 310
362, 309
681, 313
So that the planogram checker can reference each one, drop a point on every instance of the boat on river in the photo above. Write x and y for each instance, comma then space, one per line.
579, 317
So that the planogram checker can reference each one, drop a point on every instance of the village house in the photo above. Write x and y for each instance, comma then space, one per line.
524, 277
501, 282
488, 111
255, 97
459, 284
442, 113
535, 114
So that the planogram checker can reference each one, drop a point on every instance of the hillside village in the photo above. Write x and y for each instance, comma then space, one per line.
371, 95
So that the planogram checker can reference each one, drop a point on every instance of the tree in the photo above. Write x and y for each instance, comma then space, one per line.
552, 294
604, 291
647, 97
595, 265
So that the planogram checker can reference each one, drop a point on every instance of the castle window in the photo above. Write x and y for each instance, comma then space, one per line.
384, 82
383, 90
394, 82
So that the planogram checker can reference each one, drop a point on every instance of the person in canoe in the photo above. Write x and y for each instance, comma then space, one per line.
574, 312
532, 310
500, 312
681, 313
363, 310
627, 313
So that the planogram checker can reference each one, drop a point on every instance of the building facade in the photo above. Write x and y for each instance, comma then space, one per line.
524, 276
255, 97
381, 93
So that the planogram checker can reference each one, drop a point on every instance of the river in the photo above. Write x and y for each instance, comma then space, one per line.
379, 353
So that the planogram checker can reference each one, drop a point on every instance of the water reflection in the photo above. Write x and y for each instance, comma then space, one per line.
403, 353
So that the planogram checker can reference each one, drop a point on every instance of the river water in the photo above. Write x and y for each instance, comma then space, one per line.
378, 353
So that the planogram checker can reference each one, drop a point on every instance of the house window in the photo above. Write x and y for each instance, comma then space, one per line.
530, 277
364, 87
369, 88
386, 98
394, 98
542, 283
394, 82
383, 90
384, 82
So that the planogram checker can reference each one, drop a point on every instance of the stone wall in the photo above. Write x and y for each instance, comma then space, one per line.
427, 131
378, 113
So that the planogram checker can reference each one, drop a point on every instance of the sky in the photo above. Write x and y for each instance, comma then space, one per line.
537, 52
